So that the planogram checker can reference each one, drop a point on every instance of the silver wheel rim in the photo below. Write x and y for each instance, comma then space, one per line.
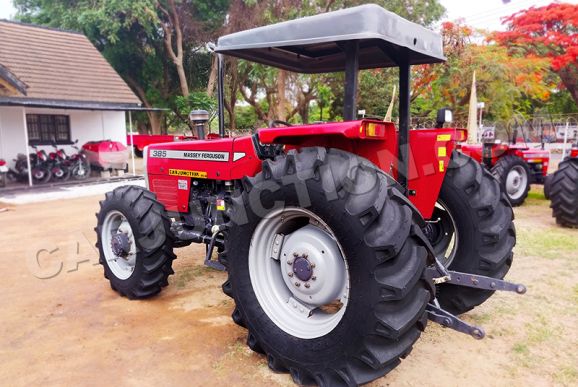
450, 252
298, 272
116, 223
516, 182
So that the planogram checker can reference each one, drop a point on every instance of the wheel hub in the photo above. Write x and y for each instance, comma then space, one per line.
302, 268
516, 181
120, 245
315, 270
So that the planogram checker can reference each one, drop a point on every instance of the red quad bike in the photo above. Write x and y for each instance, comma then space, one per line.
515, 165
341, 240
3, 173
562, 190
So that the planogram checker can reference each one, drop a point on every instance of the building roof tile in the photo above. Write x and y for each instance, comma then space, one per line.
60, 65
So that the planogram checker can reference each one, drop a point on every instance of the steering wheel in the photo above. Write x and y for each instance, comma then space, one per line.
276, 123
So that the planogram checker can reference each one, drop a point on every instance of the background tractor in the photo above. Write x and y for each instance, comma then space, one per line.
513, 162
341, 240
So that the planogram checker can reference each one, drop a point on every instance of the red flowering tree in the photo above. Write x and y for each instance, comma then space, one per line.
550, 31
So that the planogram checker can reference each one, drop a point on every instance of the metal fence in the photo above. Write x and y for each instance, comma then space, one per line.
548, 129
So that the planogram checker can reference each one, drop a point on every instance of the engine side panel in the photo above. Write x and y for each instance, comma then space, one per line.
538, 159
172, 167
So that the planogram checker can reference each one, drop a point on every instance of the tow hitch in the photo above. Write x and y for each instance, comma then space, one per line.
438, 275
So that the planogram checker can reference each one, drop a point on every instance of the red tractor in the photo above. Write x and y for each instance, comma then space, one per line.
515, 165
341, 240
562, 190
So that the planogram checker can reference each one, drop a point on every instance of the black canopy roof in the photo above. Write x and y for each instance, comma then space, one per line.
315, 44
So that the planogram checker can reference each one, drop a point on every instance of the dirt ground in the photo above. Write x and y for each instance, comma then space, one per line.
61, 324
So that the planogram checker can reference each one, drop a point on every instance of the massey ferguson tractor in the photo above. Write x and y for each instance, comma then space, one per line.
562, 190
515, 165
340, 240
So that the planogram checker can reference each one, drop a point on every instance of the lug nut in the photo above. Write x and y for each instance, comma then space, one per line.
290, 262
307, 285
295, 255
313, 278
312, 265
290, 274
297, 284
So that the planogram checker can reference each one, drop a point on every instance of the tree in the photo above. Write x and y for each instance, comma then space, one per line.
507, 85
550, 31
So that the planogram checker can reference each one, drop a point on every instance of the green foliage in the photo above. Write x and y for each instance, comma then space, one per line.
196, 101
246, 117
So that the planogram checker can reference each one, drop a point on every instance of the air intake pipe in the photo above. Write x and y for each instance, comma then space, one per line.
199, 119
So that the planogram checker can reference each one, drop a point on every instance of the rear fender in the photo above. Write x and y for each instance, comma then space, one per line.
430, 151
430, 154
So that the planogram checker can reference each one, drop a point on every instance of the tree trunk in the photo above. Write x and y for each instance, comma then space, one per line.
212, 76
173, 24
569, 77
281, 102
304, 113
155, 121
154, 117
182, 78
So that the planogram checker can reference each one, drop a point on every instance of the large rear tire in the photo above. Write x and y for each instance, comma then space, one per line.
513, 174
375, 252
134, 242
564, 193
476, 214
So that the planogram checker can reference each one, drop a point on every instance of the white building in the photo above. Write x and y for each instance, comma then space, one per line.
56, 86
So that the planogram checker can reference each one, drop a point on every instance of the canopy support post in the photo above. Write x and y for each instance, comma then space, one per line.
351, 77
131, 142
221, 94
404, 118
27, 142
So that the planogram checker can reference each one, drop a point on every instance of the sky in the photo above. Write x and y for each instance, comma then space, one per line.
477, 13
6, 9
486, 14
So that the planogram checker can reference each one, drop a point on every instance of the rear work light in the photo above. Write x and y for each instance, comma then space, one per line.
372, 129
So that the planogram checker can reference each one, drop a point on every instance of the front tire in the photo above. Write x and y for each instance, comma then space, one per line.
81, 170
513, 174
564, 194
473, 210
41, 175
374, 252
134, 242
